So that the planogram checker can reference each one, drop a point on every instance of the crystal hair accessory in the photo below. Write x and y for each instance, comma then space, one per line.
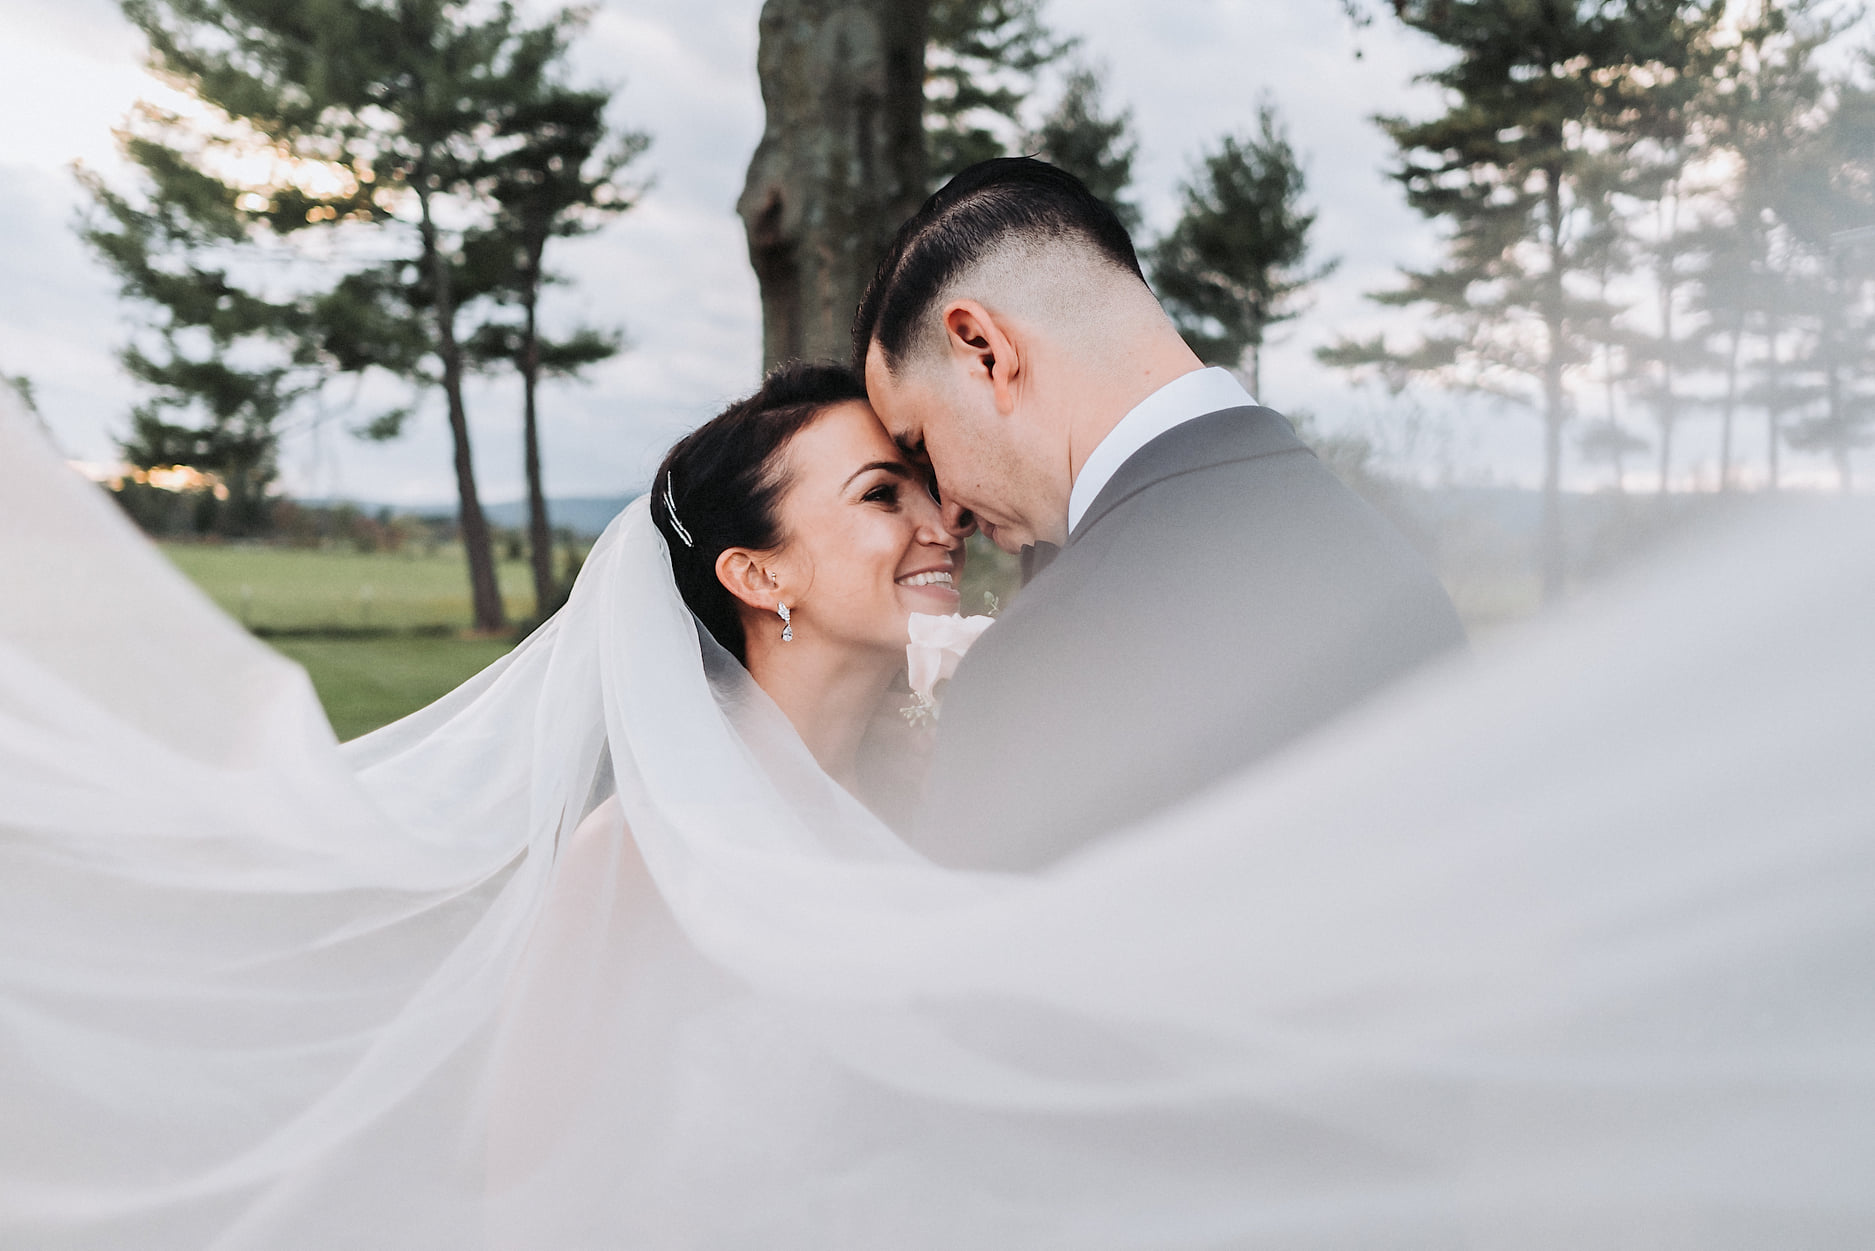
937, 644
670, 506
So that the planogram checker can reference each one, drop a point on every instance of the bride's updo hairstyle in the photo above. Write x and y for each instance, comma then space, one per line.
725, 479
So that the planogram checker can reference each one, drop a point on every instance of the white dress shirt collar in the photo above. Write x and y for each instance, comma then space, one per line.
1186, 397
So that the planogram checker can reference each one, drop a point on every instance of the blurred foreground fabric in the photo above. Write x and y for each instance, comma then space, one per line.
1566, 945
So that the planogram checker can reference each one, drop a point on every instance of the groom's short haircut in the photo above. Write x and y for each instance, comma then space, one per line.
1012, 201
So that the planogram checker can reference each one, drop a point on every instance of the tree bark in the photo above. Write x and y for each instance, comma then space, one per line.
1551, 557
1669, 399
1730, 407
1838, 416
539, 533
484, 594
840, 165
1774, 402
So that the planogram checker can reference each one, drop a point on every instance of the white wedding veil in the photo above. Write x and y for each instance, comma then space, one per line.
1568, 944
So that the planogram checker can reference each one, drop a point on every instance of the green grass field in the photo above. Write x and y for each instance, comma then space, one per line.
297, 590
368, 682
380, 634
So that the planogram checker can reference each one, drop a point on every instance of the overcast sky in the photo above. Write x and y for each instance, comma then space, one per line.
674, 272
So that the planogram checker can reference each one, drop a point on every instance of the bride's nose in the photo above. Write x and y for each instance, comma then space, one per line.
945, 526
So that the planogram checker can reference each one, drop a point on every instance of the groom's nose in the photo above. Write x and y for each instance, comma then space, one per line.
959, 520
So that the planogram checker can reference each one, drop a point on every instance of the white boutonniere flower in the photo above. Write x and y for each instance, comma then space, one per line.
937, 644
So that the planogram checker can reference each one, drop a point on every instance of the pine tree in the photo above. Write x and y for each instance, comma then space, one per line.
562, 177
399, 106
1656, 151
1535, 90
1098, 148
217, 358
984, 67
1758, 110
1235, 262
1829, 205
983, 61
1606, 250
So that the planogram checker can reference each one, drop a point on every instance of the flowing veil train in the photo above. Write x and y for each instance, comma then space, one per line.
1569, 944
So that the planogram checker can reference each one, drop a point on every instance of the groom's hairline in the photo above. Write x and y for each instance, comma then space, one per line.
1014, 247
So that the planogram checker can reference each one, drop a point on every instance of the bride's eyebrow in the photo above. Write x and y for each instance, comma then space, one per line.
890, 466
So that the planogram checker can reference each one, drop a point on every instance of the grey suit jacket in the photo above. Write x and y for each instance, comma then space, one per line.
1224, 594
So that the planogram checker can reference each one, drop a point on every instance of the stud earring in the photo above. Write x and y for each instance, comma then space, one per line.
787, 624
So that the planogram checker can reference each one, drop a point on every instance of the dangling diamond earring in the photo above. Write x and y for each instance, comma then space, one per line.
787, 624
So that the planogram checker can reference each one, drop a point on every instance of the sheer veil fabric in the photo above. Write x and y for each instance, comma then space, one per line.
1566, 945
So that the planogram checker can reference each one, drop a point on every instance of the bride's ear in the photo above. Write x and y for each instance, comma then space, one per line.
982, 345
746, 577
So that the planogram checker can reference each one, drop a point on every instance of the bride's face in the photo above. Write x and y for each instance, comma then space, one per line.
866, 544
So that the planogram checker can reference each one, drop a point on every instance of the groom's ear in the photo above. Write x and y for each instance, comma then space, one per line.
746, 577
981, 344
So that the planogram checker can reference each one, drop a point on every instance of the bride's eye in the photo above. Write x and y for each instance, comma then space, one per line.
884, 493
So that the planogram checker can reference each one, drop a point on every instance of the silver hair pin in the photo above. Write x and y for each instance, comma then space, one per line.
670, 506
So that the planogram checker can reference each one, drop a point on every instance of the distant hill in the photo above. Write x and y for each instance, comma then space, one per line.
585, 515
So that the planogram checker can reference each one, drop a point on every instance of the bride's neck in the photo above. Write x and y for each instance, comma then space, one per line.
828, 692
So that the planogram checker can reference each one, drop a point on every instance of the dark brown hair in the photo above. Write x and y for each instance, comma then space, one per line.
725, 480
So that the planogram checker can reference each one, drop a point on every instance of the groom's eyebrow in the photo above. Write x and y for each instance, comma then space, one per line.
913, 451
890, 466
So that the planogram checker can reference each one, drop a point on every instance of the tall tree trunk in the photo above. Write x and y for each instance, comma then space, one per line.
840, 165
539, 533
1838, 417
1773, 404
484, 594
1669, 402
1666, 446
1550, 554
1730, 406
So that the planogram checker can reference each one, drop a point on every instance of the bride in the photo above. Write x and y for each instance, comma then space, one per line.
1563, 946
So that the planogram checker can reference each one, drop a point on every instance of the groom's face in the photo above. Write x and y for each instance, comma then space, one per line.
979, 456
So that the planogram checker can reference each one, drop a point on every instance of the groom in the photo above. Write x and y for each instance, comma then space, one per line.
1217, 591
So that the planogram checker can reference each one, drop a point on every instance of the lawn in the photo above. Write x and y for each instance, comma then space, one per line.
379, 633
282, 589
368, 682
